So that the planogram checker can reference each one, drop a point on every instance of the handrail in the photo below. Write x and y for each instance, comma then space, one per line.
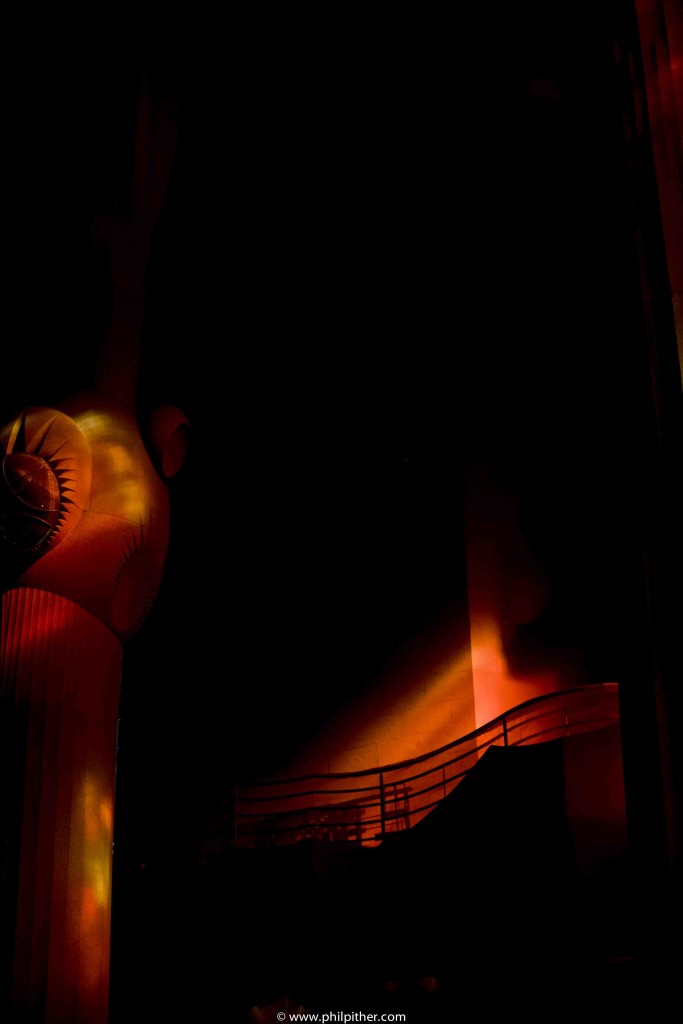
391, 792
588, 688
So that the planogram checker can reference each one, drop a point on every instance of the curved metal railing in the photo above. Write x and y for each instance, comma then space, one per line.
370, 805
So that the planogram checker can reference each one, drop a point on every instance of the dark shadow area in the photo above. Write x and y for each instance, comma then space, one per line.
391, 246
484, 896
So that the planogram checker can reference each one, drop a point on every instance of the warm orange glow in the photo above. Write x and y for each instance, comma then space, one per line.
112, 509
422, 700
458, 676
507, 589
84, 537
106, 814
69, 690
496, 689
487, 653
91, 818
87, 576
86, 942
97, 830
88, 910
120, 487
417, 722
364, 807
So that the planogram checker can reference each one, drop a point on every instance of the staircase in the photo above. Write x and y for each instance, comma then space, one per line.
371, 806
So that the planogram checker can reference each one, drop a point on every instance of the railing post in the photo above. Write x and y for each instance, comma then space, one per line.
382, 811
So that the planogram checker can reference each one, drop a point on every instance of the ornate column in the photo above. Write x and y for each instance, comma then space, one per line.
84, 526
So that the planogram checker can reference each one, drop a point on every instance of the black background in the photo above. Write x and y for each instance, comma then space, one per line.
391, 245
388, 246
